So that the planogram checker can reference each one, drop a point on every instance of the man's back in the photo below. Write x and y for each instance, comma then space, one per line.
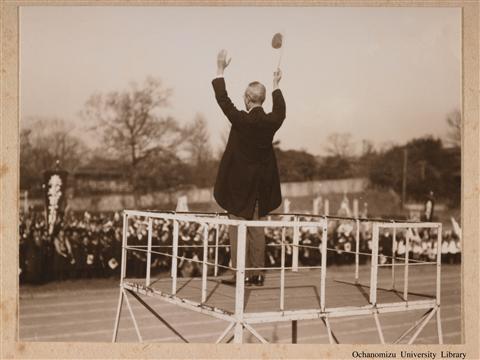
248, 170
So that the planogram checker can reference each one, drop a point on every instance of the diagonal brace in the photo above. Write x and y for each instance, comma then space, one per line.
331, 336
413, 327
149, 308
227, 330
255, 333
419, 330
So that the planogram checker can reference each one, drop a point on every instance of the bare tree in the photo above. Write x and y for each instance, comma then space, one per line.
42, 142
340, 144
454, 134
131, 123
197, 140
367, 147
197, 143
52, 139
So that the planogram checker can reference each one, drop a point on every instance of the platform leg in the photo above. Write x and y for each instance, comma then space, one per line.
323, 268
217, 235
374, 265
137, 330
439, 327
296, 236
238, 333
394, 251
117, 318
282, 272
294, 331
438, 292
123, 273
357, 249
405, 274
149, 252
174, 268
204, 263
379, 328
240, 283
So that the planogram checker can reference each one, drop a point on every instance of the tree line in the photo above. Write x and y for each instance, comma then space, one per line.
155, 152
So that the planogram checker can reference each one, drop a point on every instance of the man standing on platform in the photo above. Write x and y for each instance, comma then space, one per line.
248, 184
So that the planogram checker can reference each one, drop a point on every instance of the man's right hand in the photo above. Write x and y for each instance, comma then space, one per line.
222, 61
277, 76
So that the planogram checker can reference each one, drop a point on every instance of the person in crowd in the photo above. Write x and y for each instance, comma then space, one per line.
63, 257
453, 250
432, 250
340, 243
87, 257
309, 253
34, 248
197, 253
401, 248
107, 253
224, 249
48, 255
445, 249
76, 245
331, 255
22, 246
385, 247
139, 263
161, 242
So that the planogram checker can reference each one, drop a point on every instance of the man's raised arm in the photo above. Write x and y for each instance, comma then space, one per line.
219, 87
278, 107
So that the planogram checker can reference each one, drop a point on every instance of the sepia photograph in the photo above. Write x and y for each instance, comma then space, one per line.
242, 175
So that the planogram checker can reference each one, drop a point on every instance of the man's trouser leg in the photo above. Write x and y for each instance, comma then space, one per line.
254, 246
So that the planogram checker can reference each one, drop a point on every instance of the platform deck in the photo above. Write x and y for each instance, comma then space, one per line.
302, 290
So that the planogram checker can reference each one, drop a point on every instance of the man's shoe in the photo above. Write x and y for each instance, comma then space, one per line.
233, 281
258, 280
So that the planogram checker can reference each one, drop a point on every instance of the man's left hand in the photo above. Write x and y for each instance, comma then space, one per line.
222, 61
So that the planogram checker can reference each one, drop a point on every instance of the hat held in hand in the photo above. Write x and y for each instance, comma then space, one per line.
277, 41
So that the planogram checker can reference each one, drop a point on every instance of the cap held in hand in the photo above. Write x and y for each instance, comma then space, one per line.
277, 41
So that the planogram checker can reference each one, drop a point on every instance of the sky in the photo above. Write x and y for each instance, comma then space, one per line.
386, 75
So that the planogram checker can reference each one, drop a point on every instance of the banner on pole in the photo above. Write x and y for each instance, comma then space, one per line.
55, 197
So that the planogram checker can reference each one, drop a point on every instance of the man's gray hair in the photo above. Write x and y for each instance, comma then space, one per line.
256, 92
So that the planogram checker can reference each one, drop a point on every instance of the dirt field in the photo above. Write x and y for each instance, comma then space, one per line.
84, 310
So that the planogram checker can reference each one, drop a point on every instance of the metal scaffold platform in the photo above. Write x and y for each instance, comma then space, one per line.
277, 301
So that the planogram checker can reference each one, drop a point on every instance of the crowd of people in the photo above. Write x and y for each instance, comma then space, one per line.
90, 246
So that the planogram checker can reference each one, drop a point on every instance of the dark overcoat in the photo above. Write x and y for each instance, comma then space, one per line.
248, 170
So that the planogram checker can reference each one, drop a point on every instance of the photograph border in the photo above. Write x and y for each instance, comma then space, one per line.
10, 347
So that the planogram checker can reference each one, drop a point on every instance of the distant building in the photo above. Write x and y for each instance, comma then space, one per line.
89, 181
